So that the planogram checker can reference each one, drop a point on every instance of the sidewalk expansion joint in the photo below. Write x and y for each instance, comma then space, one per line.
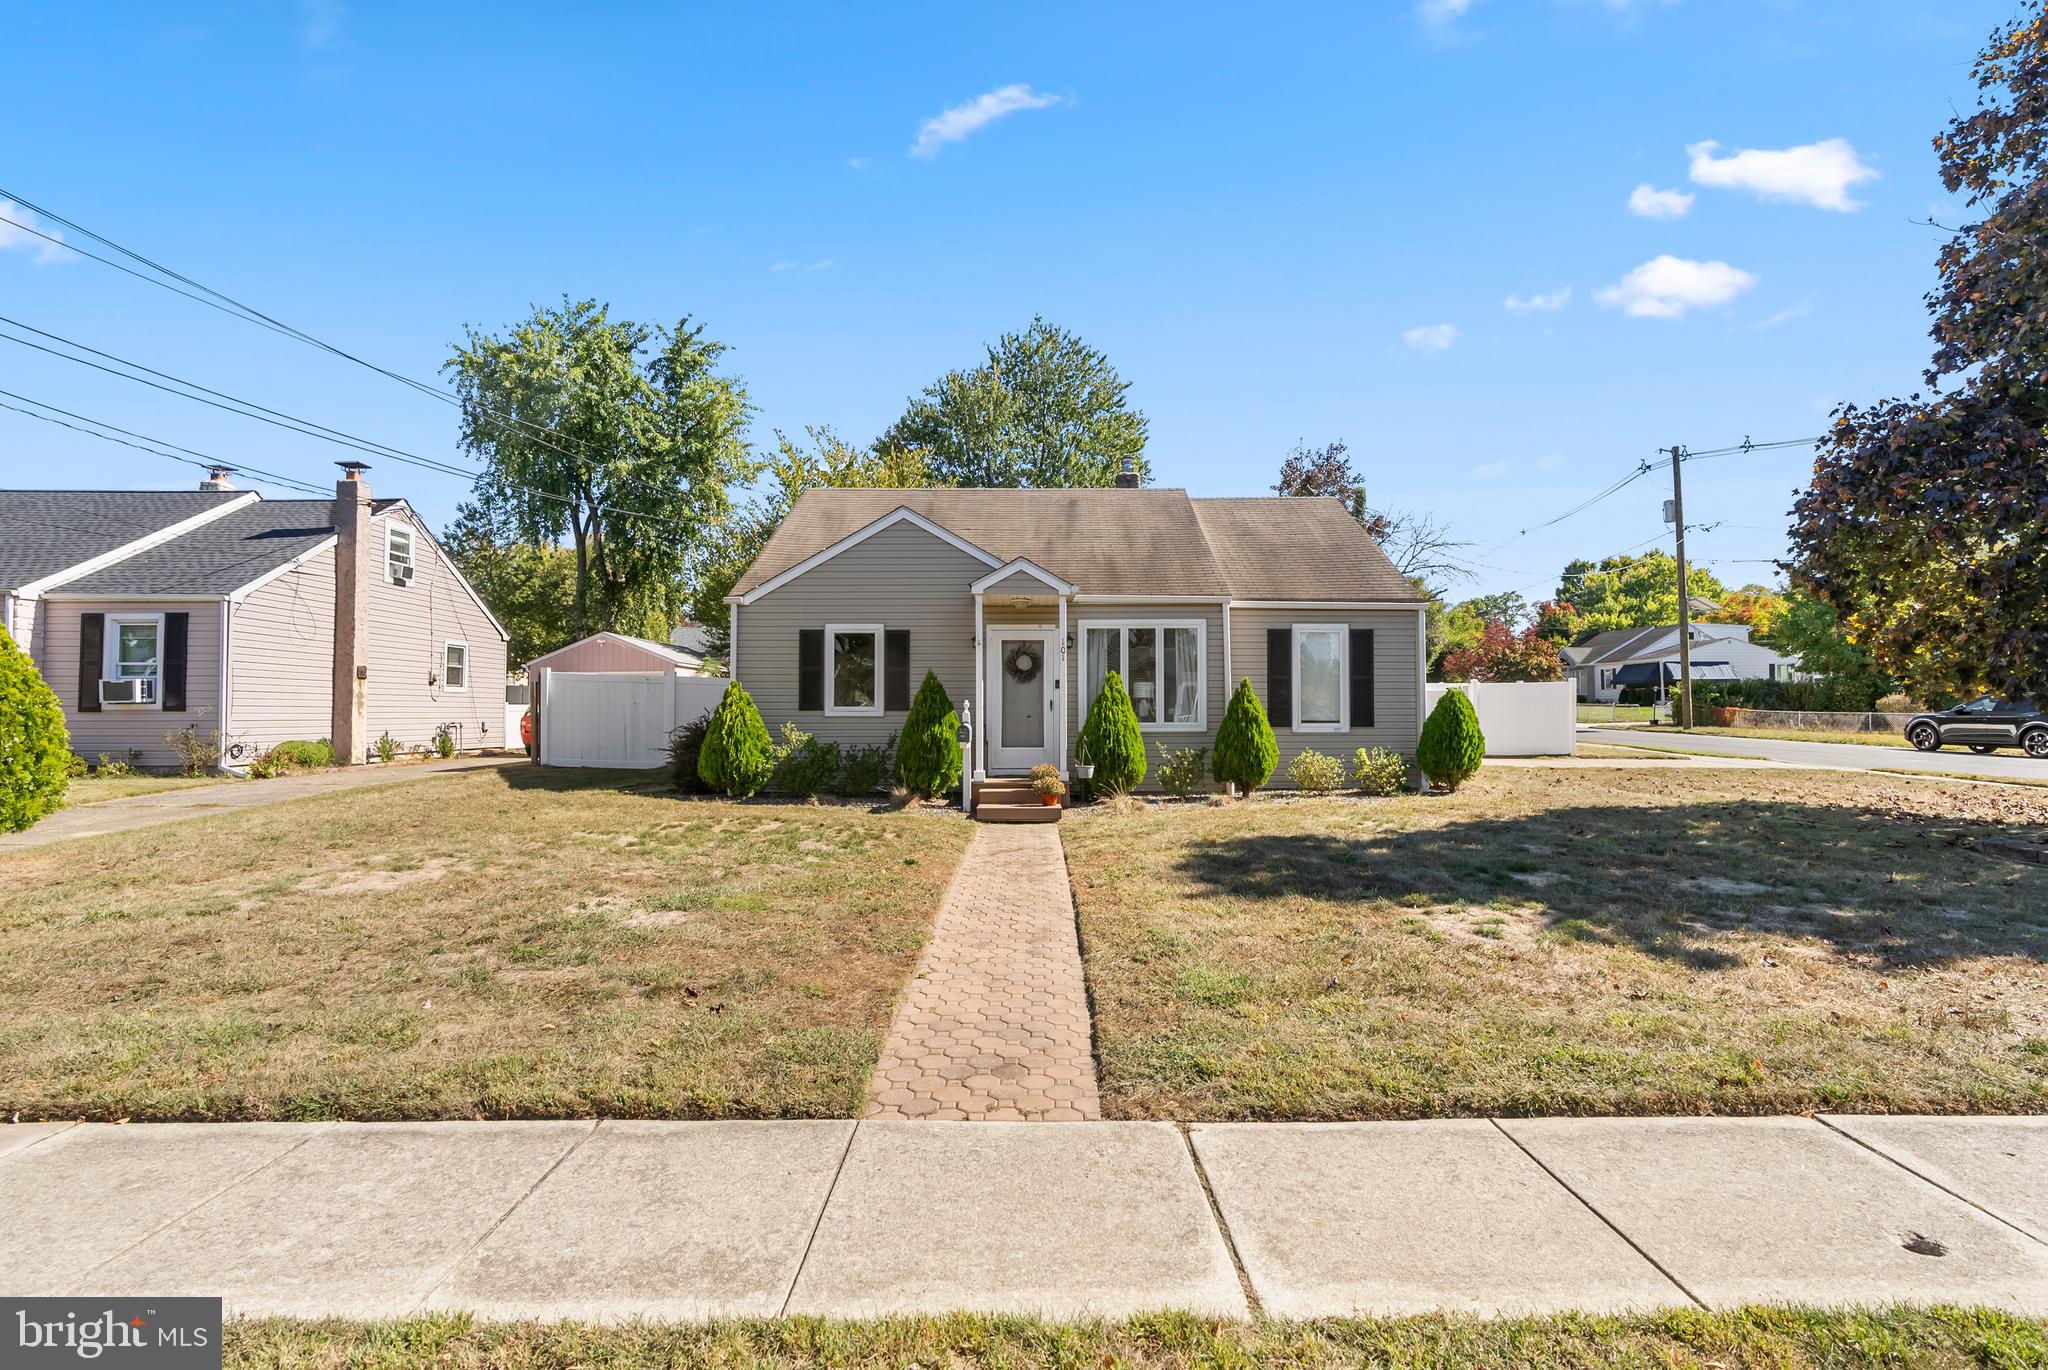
1244, 1276
819, 1221
510, 1209
1633, 1244
1925, 1178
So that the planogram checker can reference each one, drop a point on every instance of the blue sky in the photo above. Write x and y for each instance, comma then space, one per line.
1282, 225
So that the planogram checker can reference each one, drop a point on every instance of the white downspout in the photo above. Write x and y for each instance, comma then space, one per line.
1062, 685
980, 714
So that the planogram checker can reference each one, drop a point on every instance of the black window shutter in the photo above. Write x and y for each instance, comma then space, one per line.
177, 628
1280, 676
810, 669
1361, 677
92, 651
896, 670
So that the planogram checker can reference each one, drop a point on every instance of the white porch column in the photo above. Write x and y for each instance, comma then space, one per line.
980, 714
1062, 691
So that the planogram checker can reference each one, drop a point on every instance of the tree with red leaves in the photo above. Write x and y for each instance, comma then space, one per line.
1502, 654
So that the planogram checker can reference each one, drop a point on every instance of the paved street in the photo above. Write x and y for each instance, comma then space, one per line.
685, 1221
1847, 756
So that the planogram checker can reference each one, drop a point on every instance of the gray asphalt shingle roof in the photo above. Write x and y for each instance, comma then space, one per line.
43, 532
218, 557
1120, 542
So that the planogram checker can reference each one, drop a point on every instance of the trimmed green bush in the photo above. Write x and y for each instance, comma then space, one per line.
928, 757
1314, 773
737, 757
804, 766
1452, 745
35, 748
1246, 751
1376, 770
311, 755
1183, 770
1110, 740
863, 769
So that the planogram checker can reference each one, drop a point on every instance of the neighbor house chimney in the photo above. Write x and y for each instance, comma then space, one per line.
217, 478
353, 564
1127, 479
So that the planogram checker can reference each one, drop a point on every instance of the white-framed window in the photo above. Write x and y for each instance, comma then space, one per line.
398, 565
1164, 664
454, 665
1606, 679
1322, 677
133, 650
853, 668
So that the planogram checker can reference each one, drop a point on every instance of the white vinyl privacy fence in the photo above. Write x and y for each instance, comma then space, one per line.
617, 720
1530, 719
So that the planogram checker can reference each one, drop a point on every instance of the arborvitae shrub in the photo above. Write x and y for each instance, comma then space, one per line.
928, 755
736, 757
1110, 740
1452, 745
1246, 751
35, 748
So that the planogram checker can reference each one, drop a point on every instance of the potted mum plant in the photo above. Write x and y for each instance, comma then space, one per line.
1046, 783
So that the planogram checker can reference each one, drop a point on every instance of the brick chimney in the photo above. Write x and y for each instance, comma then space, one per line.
217, 478
353, 564
1127, 479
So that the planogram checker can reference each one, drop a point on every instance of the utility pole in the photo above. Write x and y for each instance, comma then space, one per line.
1684, 595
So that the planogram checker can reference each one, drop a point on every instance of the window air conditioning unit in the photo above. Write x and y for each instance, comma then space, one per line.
142, 691
401, 575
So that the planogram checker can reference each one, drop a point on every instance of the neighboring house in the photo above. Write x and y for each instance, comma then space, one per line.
1603, 664
618, 652
262, 620
1021, 600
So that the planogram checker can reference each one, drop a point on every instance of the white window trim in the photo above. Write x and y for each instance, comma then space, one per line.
463, 688
394, 529
832, 632
110, 657
1343, 632
1201, 629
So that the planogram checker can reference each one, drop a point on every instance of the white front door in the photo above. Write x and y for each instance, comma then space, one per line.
1023, 698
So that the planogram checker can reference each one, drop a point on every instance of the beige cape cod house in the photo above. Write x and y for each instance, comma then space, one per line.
1021, 600
262, 620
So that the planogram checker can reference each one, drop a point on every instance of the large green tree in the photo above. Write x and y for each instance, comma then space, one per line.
530, 586
1926, 524
792, 469
1629, 591
1807, 630
616, 439
1044, 410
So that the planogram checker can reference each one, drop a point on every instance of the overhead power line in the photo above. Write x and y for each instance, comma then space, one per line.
153, 446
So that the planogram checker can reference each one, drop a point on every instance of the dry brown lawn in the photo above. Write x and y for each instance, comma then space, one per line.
497, 944
1610, 941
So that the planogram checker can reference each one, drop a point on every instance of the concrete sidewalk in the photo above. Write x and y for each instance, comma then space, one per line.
621, 1220
175, 806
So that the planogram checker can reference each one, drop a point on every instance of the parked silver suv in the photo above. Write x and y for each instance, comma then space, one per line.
1982, 725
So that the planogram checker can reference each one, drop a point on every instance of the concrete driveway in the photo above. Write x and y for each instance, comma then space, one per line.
1844, 756
175, 806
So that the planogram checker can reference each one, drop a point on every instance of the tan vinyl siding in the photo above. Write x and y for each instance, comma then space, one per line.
1396, 678
408, 625
1210, 615
281, 659
901, 578
116, 728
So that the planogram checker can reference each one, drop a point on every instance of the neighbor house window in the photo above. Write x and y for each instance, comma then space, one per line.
853, 668
455, 665
397, 553
1162, 665
1321, 682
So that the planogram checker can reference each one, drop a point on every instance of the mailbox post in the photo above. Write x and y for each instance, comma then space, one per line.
967, 756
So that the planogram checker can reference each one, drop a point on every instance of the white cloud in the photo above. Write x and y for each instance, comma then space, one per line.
1435, 337
1666, 287
791, 266
959, 121
1817, 174
1491, 469
1539, 303
861, 164
1550, 461
11, 234
1441, 11
821, 265
320, 21
1652, 203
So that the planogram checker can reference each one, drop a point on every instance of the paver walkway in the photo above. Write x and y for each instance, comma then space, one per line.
175, 806
995, 1025
612, 1221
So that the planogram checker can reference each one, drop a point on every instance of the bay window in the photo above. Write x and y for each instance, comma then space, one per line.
1321, 677
853, 668
1162, 665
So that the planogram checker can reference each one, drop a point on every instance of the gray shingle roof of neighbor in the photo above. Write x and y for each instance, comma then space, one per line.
220, 556
43, 532
1120, 542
